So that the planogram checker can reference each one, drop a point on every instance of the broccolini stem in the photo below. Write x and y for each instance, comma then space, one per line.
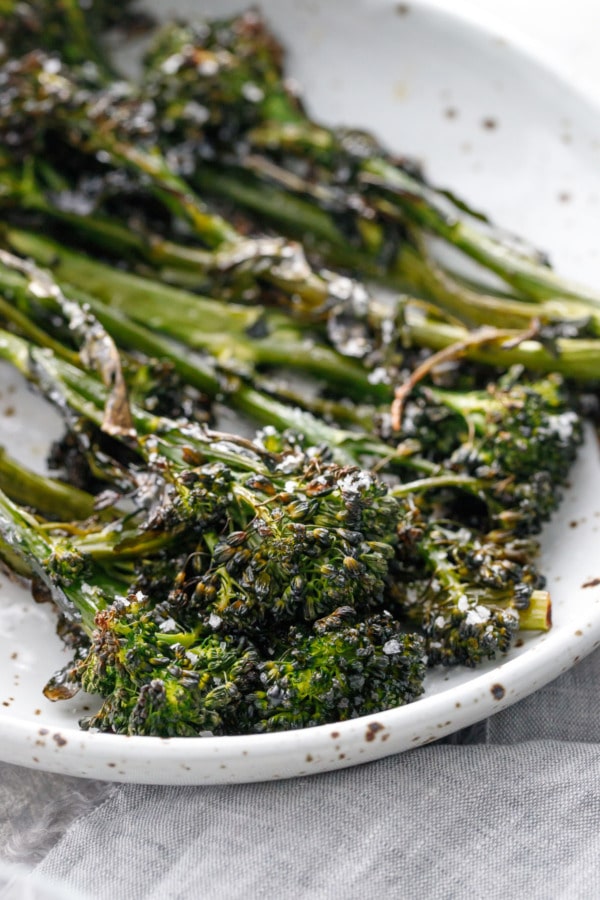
575, 358
48, 495
231, 333
98, 350
168, 187
538, 615
436, 482
19, 532
413, 269
422, 204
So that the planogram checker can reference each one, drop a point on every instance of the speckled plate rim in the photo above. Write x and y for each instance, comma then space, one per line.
304, 752
217, 760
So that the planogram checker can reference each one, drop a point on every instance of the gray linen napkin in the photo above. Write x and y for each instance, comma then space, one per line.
508, 808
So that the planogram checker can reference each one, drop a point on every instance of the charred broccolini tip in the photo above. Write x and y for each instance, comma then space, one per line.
152, 680
165, 683
518, 439
473, 593
300, 541
339, 670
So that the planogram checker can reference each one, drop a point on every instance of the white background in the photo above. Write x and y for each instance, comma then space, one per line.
567, 30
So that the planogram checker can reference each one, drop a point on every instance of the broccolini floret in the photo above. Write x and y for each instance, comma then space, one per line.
154, 680
340, 670
298, 545
472, 593
518, 438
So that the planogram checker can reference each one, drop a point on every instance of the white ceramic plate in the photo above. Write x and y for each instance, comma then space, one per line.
495, 123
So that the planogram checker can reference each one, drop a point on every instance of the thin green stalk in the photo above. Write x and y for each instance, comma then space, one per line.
575, 358
413, 269
47, 495
420, 204
229, 332
20, 534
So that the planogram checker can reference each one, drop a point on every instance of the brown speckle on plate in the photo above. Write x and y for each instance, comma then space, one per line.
335, 734
451, 112
59, 740
593, 582
402, 9
498, 691
372, 729
489, 123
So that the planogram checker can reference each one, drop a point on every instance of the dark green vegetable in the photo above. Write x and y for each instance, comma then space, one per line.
339, 671
519, 437
251, 119
383, 518
275, 536
481, 590
261, 556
